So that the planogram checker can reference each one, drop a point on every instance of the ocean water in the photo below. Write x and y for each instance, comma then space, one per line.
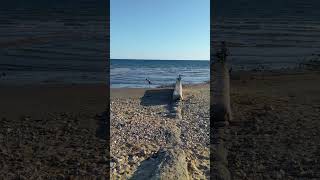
58, 42
132, 73
273, 33
52, 52
65, 42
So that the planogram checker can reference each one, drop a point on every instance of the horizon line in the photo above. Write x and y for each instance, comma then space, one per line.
162, 59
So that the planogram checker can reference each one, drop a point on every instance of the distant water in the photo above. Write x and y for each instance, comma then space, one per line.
58, 42
33, 71
132, 73
273, 33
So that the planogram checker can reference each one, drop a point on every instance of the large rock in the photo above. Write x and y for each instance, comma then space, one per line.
167, 164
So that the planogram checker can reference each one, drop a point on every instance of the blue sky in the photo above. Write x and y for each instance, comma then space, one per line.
160, 29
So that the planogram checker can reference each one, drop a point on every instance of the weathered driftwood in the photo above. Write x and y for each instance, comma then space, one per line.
176, 110
221, 109
168, 163
173, 165
219, 153
221, 114
177, 93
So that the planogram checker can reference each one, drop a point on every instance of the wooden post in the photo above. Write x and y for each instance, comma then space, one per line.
221, 108
177, 93
220, 113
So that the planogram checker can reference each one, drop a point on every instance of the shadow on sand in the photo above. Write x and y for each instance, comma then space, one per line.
157, 97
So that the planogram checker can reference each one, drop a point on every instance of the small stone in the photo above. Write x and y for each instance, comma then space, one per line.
120, 159
268, 107
22, 177
278, 175
192, 166
113, 164
142, 153
60, 159
60, 176
133, 159
121, 170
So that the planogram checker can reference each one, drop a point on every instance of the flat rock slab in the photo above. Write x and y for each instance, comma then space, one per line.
166, 164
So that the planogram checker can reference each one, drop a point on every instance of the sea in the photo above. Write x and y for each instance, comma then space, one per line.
272, 33
133, 73
53, 42
65, 42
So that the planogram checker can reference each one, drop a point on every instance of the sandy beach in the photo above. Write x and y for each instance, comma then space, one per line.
53, 131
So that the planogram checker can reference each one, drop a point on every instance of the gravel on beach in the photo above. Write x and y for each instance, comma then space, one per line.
56, 147
53, 132
139, 124
275, 132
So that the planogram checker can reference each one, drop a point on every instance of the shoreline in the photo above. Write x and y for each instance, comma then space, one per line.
53, 85
235, 75
164, 86
39, 100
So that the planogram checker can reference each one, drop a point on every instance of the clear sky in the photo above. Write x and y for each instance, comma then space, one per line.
160, 29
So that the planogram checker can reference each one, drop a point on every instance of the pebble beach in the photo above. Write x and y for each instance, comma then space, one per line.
139, 119
275, 130
61, 133
273, 134
53, 132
